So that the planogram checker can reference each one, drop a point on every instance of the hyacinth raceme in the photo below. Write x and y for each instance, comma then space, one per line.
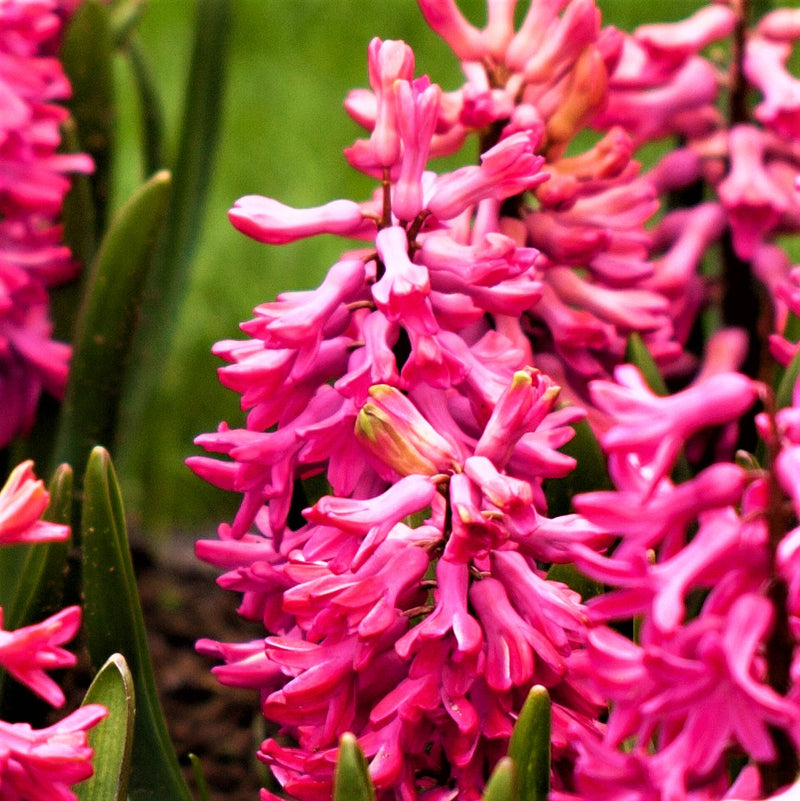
45, 763
408, 604
403, 421
695, 693
33, 183
664, 86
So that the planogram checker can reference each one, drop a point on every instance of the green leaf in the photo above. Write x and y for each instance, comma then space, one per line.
199, 778
202, 115
192, 170
125, 14
150, 108
570, 575
590, 471
530, 746
106, 324
351, 779
112, 738
502, 784
113, 623
785, 388
638, 354
86, 54
77, 216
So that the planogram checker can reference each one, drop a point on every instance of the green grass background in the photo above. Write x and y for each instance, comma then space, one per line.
291, 64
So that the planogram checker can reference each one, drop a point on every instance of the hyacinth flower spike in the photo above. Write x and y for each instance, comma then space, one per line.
652, 429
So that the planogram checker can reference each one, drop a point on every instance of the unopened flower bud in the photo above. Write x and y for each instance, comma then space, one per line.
392, 429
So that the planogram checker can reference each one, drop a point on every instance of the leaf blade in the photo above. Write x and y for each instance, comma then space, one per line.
530, 746
113, 622
112, 738
106, 323
351, 780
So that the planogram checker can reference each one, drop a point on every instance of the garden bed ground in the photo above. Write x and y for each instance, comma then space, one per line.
222, 725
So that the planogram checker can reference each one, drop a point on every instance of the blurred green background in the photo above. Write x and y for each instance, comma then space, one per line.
290, 65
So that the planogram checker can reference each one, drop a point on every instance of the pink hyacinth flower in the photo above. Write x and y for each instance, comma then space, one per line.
765, 67
389, 61
445, 18
28, 652
390, 426
23, 500
41, 765
404, 289
267, 220
507, 169
417, 114
752, 198
654, 428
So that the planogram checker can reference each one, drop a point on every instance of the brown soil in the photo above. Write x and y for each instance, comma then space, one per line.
221, 725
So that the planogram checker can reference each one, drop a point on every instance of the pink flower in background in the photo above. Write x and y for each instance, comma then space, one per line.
27, 652
23, 500
40, 764
33, 183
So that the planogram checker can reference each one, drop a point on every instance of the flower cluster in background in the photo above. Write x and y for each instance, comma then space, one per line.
40, 763
33, 183
404, 421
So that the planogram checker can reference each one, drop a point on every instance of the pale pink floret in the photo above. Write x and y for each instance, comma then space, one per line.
40, 765
444, 17
417, 114
653, 428
28, 652
404, 289
677, 41
23, 500
765, 68
267, 220
509, 168
677, 104
753, 199
388, 61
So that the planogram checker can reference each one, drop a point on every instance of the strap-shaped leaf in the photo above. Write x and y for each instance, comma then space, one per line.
530, 747
192, 171
638, 354
113, 623
151, 113
199, 778
112, 738
502, 784
351, 779
86, 54
785, 387
79, 229
106, 323
590, 472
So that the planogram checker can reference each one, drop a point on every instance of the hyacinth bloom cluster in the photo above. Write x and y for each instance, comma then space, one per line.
663, 86
33, 183
404, 420
408, 603
708, 568
40, 764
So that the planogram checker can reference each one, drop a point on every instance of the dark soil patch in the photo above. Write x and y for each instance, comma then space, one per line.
221, 725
